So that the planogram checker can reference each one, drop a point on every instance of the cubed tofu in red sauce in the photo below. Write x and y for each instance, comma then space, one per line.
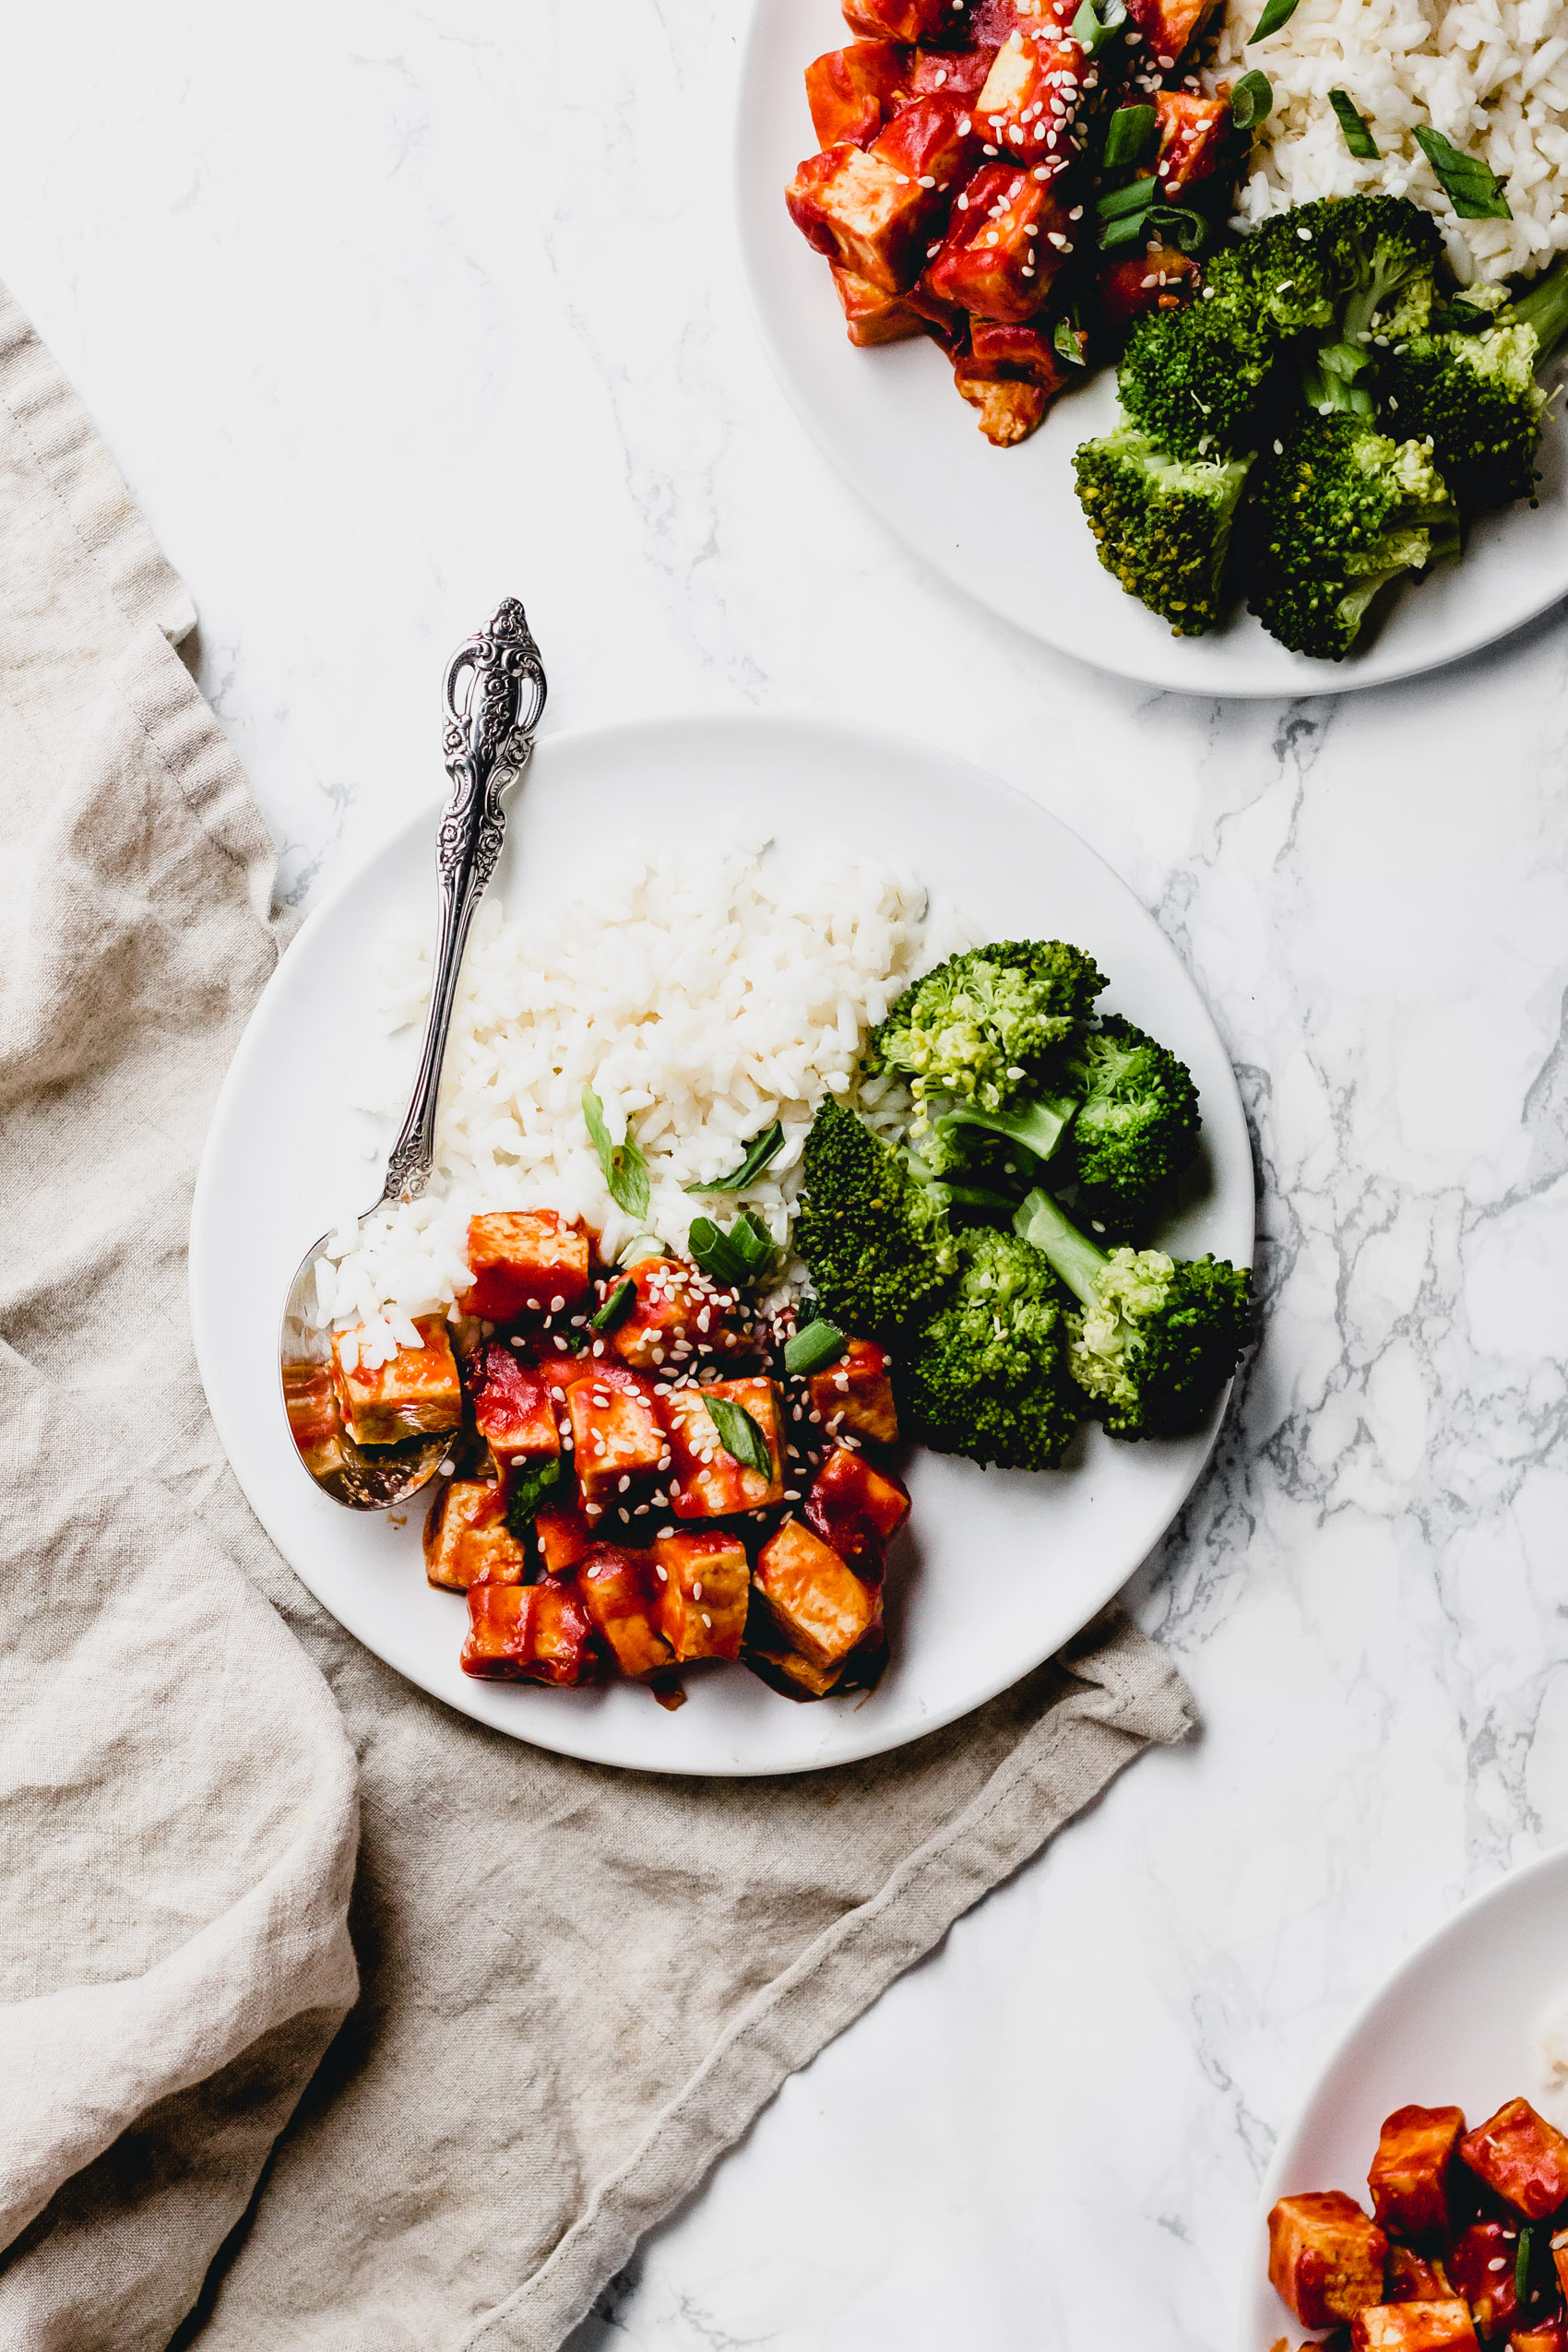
1037, 90
1010, 233
514, 1410
619, 1592
706, 1480
528, 1633
852, 91
704, 1588
414, 1393
526, 1261
1521, 2157
1410, 2178
820, 1606
1325, 2257
1414, 2327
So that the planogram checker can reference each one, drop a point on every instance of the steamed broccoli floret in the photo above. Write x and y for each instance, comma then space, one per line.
986, 1376
984, 1024
1346, 269
1138, 1126
1475, 396
877, 1243
1156, 1337
1340, 511
1163, 523
1192, 379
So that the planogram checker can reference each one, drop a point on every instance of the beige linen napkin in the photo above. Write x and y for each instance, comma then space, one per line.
578, 1986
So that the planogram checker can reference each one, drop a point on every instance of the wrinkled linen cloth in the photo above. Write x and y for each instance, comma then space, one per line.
575, 1987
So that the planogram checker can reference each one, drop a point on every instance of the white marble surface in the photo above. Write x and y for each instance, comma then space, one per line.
388, 308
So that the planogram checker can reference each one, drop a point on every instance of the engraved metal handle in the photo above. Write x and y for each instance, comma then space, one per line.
495, 699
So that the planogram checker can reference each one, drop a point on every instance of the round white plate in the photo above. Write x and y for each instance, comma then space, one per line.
1004, 524
1452, 2026
1000, 1567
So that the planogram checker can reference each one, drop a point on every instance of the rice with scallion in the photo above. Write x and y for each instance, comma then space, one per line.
699, 997
1491, 75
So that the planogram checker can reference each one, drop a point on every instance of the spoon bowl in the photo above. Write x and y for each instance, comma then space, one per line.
495, 697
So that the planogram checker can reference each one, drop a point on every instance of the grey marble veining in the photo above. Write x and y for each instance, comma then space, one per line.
385, 309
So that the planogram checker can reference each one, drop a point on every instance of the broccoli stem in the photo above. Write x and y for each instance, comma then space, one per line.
1038, 1126
1545, 308
1041, 1221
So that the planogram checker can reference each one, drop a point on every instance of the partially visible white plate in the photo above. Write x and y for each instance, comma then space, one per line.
1000, 1567
1004, 524
1452, 2027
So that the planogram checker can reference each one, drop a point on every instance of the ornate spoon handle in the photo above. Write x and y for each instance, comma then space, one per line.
495, 693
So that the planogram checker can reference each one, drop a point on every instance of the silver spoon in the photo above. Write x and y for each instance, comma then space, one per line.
495, 699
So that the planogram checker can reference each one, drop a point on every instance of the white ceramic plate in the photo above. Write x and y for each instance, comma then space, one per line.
1000, 1567
1004, 524
1452, 2026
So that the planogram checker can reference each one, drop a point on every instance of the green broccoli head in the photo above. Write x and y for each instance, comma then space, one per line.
1163, 523
1192, 379
876, 1241
1475, 398
1353, 273
1154, 1338
984, 1024
986, 1374
1160, 1340
1138, 1126
1340, 511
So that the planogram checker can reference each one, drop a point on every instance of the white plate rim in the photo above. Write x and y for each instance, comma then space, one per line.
1503, 1891
1311, 680
555, 1733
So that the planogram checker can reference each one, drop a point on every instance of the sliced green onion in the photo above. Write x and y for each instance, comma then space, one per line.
625, 1170
1252, 100
739, 1435
1117, 203
1353, 123
1277, 12
527, 1491
1522, 2262
1472, 188
736, 1257
819, 1344
1069, 341
1097, 23
616, 1307
759, 1152
1131, 135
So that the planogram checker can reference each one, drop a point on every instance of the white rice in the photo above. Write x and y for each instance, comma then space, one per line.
699, 998
1491, 75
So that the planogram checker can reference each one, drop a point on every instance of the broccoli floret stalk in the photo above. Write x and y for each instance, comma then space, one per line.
1475, 396
988, 1159
1191, 380
1341, 511
1137, 1127
1163, 523
877, 1243
986, 1025
1156, 1338
987, 1375
1036, 1121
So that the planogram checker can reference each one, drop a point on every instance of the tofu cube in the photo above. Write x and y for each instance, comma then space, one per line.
1521, 2157
870, 315
1541, 2335
1410, 2277
898, 19
676, 1311
1025, 352
310, 1401
707, 1482
1410, 2174
949, 73
561, 1539
1010, 408
1034, 95
415, 1392
513, 1408
1415, 2327
857, 1509
877, 209
528, 1633
616, 1434
1124, 292
822, 1609
998, 259
852, 92
1325, 2257
799, 1678
1193, 135
1479, 2264
703, 1590
621, 1595
1168, 25
455, 1509
856, 1393
524, 1262
487, 1552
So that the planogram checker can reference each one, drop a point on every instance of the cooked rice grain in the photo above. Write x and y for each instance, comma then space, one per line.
1491, 75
